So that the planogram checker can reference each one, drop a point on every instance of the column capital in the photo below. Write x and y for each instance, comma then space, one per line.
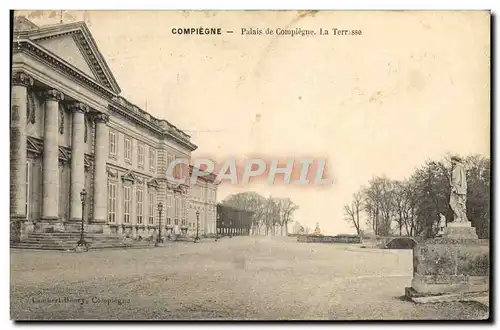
78, 107
101, 118
52, 94
20, 78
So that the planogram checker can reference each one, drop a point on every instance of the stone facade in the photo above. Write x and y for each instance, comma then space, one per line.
71, 130
203, 199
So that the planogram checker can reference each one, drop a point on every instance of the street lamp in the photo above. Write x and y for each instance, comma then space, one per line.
159, 240
82, 244
197, 238
216, 225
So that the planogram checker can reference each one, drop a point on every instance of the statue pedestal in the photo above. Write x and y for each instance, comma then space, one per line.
450, 268
460, 230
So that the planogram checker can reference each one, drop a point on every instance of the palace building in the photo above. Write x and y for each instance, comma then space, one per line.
71, 130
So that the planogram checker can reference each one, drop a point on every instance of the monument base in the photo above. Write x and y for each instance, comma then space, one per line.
413, 295
460, 231
445, 266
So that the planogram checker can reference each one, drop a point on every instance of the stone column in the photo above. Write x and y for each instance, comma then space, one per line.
77, 159
50, 175
20, 83
100, 176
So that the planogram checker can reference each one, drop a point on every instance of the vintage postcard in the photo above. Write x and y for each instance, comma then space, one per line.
250, 165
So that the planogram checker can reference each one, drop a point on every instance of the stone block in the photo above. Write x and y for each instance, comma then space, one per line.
73, 227
443, 266
460, 231
413, 295
49, 227
59, 227
106, 229
15, 230
94, 228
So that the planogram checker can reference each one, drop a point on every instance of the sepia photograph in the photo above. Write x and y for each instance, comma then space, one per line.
224, 165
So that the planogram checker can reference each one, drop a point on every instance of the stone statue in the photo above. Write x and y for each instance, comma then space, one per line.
458, 196
442, 225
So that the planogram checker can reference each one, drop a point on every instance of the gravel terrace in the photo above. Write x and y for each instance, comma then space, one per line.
242, 278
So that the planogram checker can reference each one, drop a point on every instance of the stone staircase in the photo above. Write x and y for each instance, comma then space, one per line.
68, 240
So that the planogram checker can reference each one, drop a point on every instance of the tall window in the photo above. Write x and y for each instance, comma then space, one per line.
152, 159
151, 207
139, 200
112, 143
111, 202
169, 221
28, 187
128, 149
140, 155
127, 204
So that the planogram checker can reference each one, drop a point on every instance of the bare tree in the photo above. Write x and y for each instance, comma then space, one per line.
379, 204
404, 207
352, 211
269, 213
287, 208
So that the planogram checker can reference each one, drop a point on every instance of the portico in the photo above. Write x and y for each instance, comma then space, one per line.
51, 154
71, 130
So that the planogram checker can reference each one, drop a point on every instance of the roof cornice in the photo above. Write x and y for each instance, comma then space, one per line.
120, 109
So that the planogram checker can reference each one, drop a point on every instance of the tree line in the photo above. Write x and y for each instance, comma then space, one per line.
271, 216
411, 207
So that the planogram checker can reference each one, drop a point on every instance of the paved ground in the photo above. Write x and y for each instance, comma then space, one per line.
238, 278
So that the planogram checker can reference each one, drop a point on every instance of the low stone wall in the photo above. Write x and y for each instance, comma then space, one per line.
384, 242
328, 239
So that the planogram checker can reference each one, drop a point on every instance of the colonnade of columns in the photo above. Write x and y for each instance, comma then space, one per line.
50, 163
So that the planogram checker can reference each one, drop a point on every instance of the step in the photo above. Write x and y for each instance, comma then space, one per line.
73, 246
40, 247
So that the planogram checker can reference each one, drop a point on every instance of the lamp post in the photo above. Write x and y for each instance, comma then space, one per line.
216, 225
82, 244
159, 239
197, 238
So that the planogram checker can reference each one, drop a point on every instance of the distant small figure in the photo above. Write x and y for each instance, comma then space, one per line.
442, 225
317, 231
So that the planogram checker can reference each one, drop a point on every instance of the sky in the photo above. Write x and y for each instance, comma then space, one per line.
414, 86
